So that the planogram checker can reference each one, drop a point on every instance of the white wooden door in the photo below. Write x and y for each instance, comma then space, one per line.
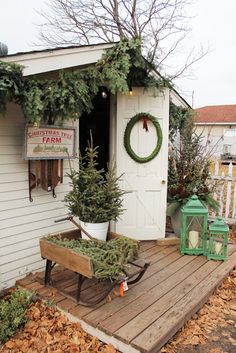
145, 214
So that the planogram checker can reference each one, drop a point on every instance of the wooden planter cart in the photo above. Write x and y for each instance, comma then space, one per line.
82, 265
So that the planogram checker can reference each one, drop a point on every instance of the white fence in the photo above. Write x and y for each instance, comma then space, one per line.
224, 180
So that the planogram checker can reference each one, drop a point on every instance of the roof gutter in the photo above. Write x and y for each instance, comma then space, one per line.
213, 123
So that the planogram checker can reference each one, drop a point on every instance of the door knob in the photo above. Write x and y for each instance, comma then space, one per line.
163, 181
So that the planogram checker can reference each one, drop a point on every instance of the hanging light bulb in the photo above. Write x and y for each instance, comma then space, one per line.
104, 93
130, 91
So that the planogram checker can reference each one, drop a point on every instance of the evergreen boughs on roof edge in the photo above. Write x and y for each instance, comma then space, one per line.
55, 101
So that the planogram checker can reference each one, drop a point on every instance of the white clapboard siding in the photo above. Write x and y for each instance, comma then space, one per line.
18, 185
20, 167
37, 200
22, 222
34, 218
6, 250
18, 127
12, 276
30, 210
16, 243
17, 195
39, 221
23, 249
24, 193
9, 150
8, 260
18, 262
16, 130
10, 140
13, 186
11, 158
14, 240
12, 178
19, 190
224, 192
21, 245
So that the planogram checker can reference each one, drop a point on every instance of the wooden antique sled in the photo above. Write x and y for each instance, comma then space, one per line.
82, 265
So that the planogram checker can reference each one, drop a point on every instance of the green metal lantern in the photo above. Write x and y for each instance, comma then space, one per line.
194, 216
218, 241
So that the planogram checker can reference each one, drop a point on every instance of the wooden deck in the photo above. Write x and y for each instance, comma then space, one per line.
173, 288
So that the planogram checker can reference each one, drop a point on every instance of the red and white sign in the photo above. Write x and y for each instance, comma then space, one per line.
49, 143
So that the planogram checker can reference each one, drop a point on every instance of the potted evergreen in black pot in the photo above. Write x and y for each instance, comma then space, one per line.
96, 197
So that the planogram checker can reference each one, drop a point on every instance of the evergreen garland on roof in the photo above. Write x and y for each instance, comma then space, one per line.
67, 97
11, 84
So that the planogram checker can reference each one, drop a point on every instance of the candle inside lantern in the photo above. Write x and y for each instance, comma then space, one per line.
218, 247
193, 239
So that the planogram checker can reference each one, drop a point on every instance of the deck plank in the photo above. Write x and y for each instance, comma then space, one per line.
93, 291
141, 290
156, 335
123, 323
146, 245
116, 303
96, 290
66, 304
161, 254
172, 289
188, 279
154, 250
88, 283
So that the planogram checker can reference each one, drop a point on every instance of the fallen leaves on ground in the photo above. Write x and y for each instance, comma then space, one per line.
212, 315
232, 233
216, 350
49, 331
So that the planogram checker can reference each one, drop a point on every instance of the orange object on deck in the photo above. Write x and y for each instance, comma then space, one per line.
122, 289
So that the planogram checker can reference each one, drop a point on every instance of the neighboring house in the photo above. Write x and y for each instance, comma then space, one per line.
22, 222
217, 126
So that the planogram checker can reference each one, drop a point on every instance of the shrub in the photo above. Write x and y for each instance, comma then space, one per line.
13, 312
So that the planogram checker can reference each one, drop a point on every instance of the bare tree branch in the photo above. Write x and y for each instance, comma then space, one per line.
161, 25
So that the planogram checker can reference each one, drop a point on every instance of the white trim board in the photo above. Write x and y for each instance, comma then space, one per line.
102, 336
214, 124
57, 59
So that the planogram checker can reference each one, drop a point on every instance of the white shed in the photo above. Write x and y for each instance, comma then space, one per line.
22, 222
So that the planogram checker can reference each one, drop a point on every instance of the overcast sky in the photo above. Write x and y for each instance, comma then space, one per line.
213, 79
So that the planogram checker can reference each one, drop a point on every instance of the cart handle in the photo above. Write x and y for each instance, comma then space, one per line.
70, 218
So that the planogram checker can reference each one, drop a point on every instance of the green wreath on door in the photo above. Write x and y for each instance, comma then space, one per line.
145, 117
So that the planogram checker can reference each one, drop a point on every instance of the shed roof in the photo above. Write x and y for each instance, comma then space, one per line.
52, 59
42, 61
216, 114
48, 50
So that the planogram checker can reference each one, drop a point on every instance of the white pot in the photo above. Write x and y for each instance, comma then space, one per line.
96, 230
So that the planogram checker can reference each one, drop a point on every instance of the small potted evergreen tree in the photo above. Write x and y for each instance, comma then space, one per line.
96, 197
